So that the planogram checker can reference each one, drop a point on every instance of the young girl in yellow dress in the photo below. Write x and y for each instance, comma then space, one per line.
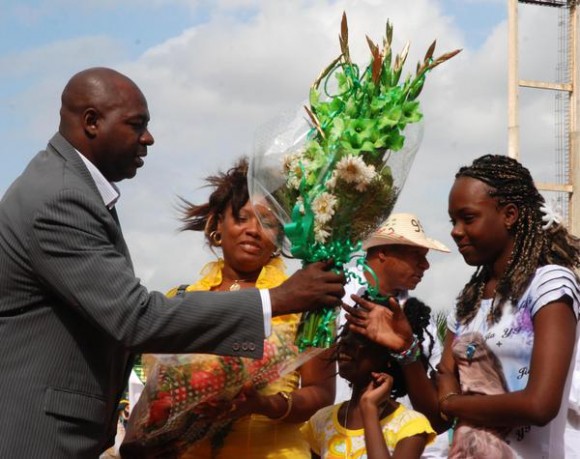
372, 424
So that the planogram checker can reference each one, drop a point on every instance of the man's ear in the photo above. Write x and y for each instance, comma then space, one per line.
90, 121
383, 253
511, 214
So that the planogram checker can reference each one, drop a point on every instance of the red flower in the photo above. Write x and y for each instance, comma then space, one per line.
159, 409
207, 382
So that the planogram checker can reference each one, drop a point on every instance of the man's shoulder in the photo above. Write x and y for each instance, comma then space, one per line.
47, 175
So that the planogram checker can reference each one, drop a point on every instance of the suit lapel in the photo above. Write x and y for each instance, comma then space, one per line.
62, 147
59, 145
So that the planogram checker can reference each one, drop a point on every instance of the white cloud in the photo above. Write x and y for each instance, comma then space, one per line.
213, 85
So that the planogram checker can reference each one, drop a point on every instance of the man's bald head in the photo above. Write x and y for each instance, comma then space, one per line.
104, 115
97, 87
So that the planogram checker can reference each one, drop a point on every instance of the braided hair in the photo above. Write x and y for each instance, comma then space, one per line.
419, 317
511, 183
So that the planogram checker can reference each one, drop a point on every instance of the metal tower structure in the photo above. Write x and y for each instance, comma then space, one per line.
566, 86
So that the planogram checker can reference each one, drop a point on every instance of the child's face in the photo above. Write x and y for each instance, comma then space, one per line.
479, 224
358, 357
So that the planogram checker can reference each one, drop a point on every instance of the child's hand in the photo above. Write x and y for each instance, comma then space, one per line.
378, 391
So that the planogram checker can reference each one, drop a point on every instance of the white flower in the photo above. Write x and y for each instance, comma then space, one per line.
323, 207
289, 160
293, 182
369, 175
300, 204
321, 234
331, 182
550, 216
351, 169
296, 165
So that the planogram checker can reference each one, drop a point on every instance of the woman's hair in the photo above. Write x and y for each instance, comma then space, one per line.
419, 316
229, 188
511, 183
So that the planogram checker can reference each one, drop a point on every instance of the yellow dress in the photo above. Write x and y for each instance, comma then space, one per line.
256, 436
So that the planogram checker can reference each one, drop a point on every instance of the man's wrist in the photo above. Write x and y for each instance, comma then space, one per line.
266, 311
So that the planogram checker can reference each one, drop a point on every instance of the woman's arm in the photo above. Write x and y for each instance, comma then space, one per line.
537, 404
317, 387
424, 393
317, 390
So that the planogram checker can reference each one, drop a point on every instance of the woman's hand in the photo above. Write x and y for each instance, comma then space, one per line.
387, 326
250, 401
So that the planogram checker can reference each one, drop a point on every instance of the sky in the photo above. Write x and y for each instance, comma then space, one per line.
215, 71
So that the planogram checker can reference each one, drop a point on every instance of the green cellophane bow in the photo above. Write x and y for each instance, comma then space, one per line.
340, 187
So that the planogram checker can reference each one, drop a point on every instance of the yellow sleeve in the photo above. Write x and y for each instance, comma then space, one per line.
307, 431
416, 425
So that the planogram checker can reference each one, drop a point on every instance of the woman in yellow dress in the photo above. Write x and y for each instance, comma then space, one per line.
270, 419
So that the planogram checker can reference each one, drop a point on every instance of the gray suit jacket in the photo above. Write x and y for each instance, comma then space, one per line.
72, 313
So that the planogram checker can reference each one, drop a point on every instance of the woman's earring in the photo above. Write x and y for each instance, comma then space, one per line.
276, 253
215, 238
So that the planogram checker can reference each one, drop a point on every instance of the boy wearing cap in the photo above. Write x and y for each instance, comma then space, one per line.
397, 254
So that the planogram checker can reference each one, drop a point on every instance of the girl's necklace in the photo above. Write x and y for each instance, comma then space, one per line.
346, 452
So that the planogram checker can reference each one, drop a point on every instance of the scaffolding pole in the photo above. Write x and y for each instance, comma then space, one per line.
574, 140
513, 81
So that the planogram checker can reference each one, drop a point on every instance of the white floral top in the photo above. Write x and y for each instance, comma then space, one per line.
509, 344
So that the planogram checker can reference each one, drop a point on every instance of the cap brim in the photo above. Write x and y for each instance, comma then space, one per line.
392, 239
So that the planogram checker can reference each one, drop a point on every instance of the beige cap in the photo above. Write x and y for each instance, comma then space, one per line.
403, 229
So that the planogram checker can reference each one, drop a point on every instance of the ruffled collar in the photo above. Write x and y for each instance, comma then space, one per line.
271, 275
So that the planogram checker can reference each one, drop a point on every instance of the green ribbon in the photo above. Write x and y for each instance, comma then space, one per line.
318, 328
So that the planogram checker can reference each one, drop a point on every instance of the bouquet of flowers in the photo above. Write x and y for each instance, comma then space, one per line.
334, 174
178, 405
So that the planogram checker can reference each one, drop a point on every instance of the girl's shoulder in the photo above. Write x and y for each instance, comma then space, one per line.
325, 413
406, 422
550, 283
404, 415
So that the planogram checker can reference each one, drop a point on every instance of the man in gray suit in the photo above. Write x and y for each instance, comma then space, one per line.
72, 312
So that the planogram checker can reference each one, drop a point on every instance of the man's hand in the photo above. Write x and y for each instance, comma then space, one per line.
308, 288
387, 326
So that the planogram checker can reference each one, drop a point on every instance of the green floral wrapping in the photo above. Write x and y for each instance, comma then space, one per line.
341, 179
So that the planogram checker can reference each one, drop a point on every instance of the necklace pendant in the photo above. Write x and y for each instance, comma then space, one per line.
470, 351
235, 286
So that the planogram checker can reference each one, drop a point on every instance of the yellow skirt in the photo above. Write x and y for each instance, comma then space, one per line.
256, 437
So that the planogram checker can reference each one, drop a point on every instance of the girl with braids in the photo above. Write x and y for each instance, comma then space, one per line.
372, 424
515, 321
